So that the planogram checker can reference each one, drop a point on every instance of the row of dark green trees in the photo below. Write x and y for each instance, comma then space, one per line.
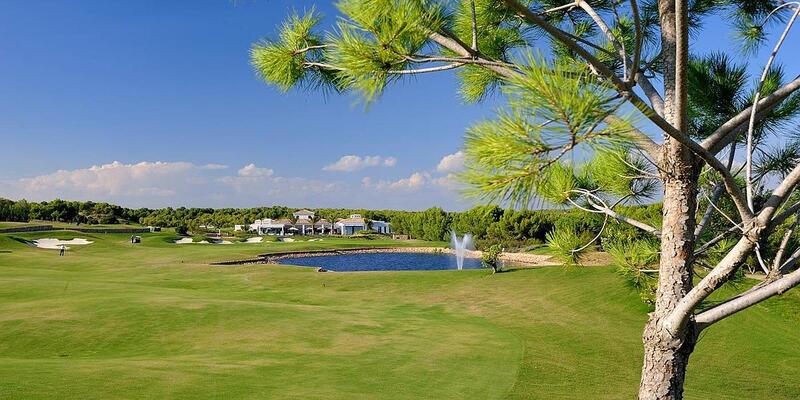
488, 224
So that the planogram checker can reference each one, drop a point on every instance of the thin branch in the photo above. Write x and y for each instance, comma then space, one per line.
752, 122
474, 27
452, 43
716, 240
426, 70
613, 214
656, 101
725, 134
791, 262
718, 189
776, 262
309, 64
729, 308
419, 59
785, 214
559, 8
646, 143
309, 48
605, 29
779, 195
637, 49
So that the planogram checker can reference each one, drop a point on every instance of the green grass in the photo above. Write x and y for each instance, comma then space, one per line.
113, 320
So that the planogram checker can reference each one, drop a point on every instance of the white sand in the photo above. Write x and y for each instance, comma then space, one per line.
184, 240
223, 242
203, 242
287, 240
257, 239
55, 244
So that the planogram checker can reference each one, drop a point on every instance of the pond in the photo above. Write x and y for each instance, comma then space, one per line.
383, 262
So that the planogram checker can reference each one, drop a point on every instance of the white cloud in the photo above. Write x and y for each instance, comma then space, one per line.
250, 170
181, 183
114, 179
448, 181
350, 163
451, 162
214, 167
413, 183
156, 184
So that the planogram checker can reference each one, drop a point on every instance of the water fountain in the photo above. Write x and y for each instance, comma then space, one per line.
460, 247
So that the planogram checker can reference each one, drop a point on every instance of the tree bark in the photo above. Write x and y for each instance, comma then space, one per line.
667, 348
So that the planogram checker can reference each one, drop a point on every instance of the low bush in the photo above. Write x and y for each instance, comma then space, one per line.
491, 258
182, 230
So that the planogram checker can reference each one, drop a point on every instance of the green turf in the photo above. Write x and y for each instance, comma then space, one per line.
113, 320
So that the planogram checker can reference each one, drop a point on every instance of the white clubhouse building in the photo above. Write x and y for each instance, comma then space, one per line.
305, 223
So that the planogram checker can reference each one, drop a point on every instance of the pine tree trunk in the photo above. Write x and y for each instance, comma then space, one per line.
666, 354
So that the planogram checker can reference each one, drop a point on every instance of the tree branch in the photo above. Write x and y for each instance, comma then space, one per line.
718, 188
644, 142
427, 70
788, 212
724, 135
754, 230
452, 43
730, 184
637, 49
778, 259
779, 195
656, 101
604, 28
603, 208
474, 26
718, 313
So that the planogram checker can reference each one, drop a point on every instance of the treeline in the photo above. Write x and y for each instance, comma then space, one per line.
518, 228
86, 212
488, 224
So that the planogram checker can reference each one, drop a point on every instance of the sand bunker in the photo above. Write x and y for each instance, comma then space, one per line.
287, 240
256, 239
56, 243
184, 240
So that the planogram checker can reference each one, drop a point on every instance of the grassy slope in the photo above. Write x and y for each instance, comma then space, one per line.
112, 320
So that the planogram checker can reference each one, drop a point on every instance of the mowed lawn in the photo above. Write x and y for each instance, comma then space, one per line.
113, 320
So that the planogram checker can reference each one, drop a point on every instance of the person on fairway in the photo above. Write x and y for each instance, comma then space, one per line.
63, 250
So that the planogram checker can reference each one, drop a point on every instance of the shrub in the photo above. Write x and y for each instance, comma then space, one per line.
491, 258
182, 230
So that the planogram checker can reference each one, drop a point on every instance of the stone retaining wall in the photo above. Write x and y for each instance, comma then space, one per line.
29, 228
110, 230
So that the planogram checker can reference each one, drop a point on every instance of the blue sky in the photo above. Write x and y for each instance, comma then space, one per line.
154, 103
